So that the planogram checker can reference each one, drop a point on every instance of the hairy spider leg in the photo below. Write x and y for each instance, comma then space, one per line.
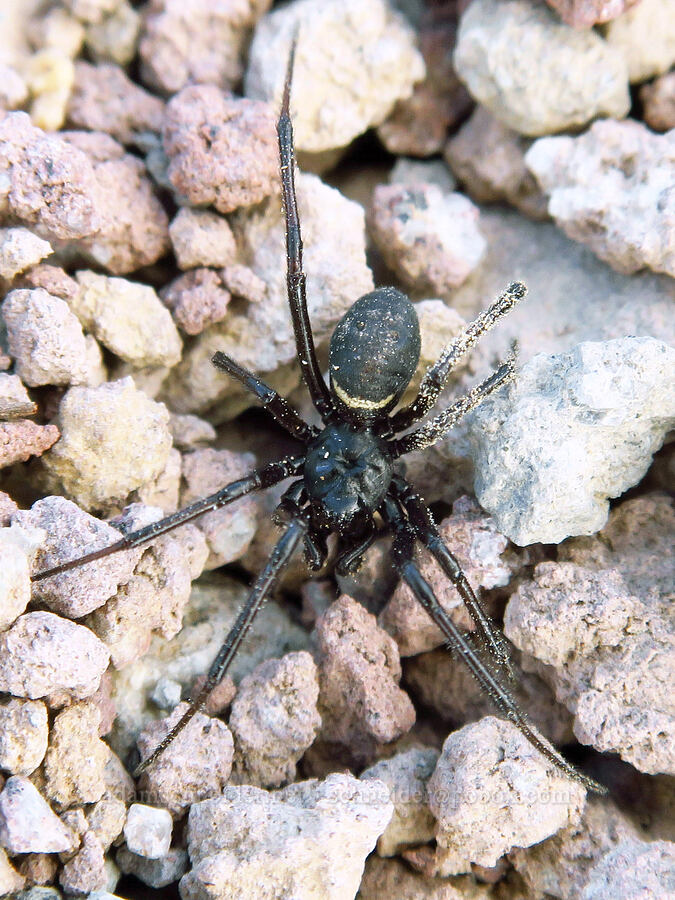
427, 533
258, 480
295, 276
274, 403
402, 556
434, 430
437, 375
264, 583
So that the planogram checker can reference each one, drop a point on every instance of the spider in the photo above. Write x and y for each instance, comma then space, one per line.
346, 473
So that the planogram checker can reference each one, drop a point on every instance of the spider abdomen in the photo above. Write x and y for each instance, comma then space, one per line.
347, 473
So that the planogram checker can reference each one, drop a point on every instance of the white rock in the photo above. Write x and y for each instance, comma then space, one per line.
201, 237
20, 249
147, 831
645, 35
635, 870
14, 578
14, 400
248, 842
492, 791
534, 73
27, 824
23, 735
128, 318
354, 61
612, 189
570, 432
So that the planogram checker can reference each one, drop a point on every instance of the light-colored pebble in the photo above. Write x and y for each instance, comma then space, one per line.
147, 831
19, 249
27, 823
201, 238
23, 735
76, 758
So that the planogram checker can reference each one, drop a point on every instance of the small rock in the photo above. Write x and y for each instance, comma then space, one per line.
428, 238
14, 90
571, 77
39, 868
195, 766
105, 99
46, 340
107, 816
489, 160
14, 578
196, 300
243, 282
248, 842
85, 872
23, 736
645, 36
76, 758
608, 188
14, 400
19, 249
201, 238
211, 45
394, 878
128, 318
115, 39
7, 509
586, 13
658, 102
274, 719
50, 185
406, 775
360, 702
353, 62
43, 654
53, 279
27, 824
222, 150
229, 530
491, 791
148, 831
188, 431
479, 547
91, 11
156, 873
100, 466
585, 423
21, 439
422, 171
57, 28
49, 75
635, 870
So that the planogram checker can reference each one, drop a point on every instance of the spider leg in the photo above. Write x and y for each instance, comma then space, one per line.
295, 276
256, 481
425, 529
348, 561
434, 430
402, 554
264, 583
436, 377
274, 403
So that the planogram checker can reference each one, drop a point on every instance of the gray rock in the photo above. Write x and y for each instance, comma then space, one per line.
155, 873
248, 842
569, 433
570, 76
635, 870
609, 188
354, 61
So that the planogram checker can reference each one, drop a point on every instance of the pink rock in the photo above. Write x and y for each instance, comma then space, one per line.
85, 873
7, 509
21, 439
201, 238
197, 300
105, 99
52, 279
222, 150
361, 704
195, 766
586, 13
243, 282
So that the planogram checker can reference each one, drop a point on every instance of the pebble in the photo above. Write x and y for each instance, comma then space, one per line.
99, 467
353, 62
14, 90
156, 873
645, 36
15, 403
47, 341
571, 77
49, 76
128, 318
20, 249
43, 655
586, 13
586, 424
491, 791
239, 163
361, 704
274, 719
201, 238
658, 102
147, 831
248, 841
86, 872
632, 871
21, 439
608, 188
105, 99
430, 239
76, 758
115, 39
197, 300
23, 735
27, 823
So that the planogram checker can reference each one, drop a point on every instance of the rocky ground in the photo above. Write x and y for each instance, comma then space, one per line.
347, 752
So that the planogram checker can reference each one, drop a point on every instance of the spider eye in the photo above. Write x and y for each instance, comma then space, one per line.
374, 352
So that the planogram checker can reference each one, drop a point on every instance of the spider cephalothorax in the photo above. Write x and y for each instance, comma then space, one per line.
345, 474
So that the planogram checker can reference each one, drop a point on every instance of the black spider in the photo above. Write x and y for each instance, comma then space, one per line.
346, 473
